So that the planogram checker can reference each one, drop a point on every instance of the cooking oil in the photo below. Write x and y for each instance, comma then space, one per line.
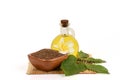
65, 42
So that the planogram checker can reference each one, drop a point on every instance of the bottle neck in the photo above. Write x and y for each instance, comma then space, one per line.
64, 30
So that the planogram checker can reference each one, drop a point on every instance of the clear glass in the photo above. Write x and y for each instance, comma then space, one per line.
65, 42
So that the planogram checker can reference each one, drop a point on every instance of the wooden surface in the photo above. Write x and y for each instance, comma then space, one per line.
32, 70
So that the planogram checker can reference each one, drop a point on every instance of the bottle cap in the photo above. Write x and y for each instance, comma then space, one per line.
64, 23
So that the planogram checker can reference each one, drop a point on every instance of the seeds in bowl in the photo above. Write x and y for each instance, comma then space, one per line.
47, 54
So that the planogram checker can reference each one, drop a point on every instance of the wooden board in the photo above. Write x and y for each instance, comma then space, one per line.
32, 70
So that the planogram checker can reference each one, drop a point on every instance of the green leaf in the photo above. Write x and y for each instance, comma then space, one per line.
82, 67
84, 57
70, 67
73, 65
93, 60
90, 60
82, 54
97, 68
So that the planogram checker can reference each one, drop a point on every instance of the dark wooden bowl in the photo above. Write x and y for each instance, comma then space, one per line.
46, 64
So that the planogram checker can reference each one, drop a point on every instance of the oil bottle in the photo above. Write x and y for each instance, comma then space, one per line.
65, 42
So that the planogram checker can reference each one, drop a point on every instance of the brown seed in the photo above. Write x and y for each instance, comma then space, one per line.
47, 54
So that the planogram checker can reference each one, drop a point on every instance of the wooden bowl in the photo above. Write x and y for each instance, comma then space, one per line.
46, 64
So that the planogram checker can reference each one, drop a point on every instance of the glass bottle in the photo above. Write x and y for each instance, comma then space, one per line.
66, 42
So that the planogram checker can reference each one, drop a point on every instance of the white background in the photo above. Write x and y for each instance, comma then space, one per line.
30, 25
